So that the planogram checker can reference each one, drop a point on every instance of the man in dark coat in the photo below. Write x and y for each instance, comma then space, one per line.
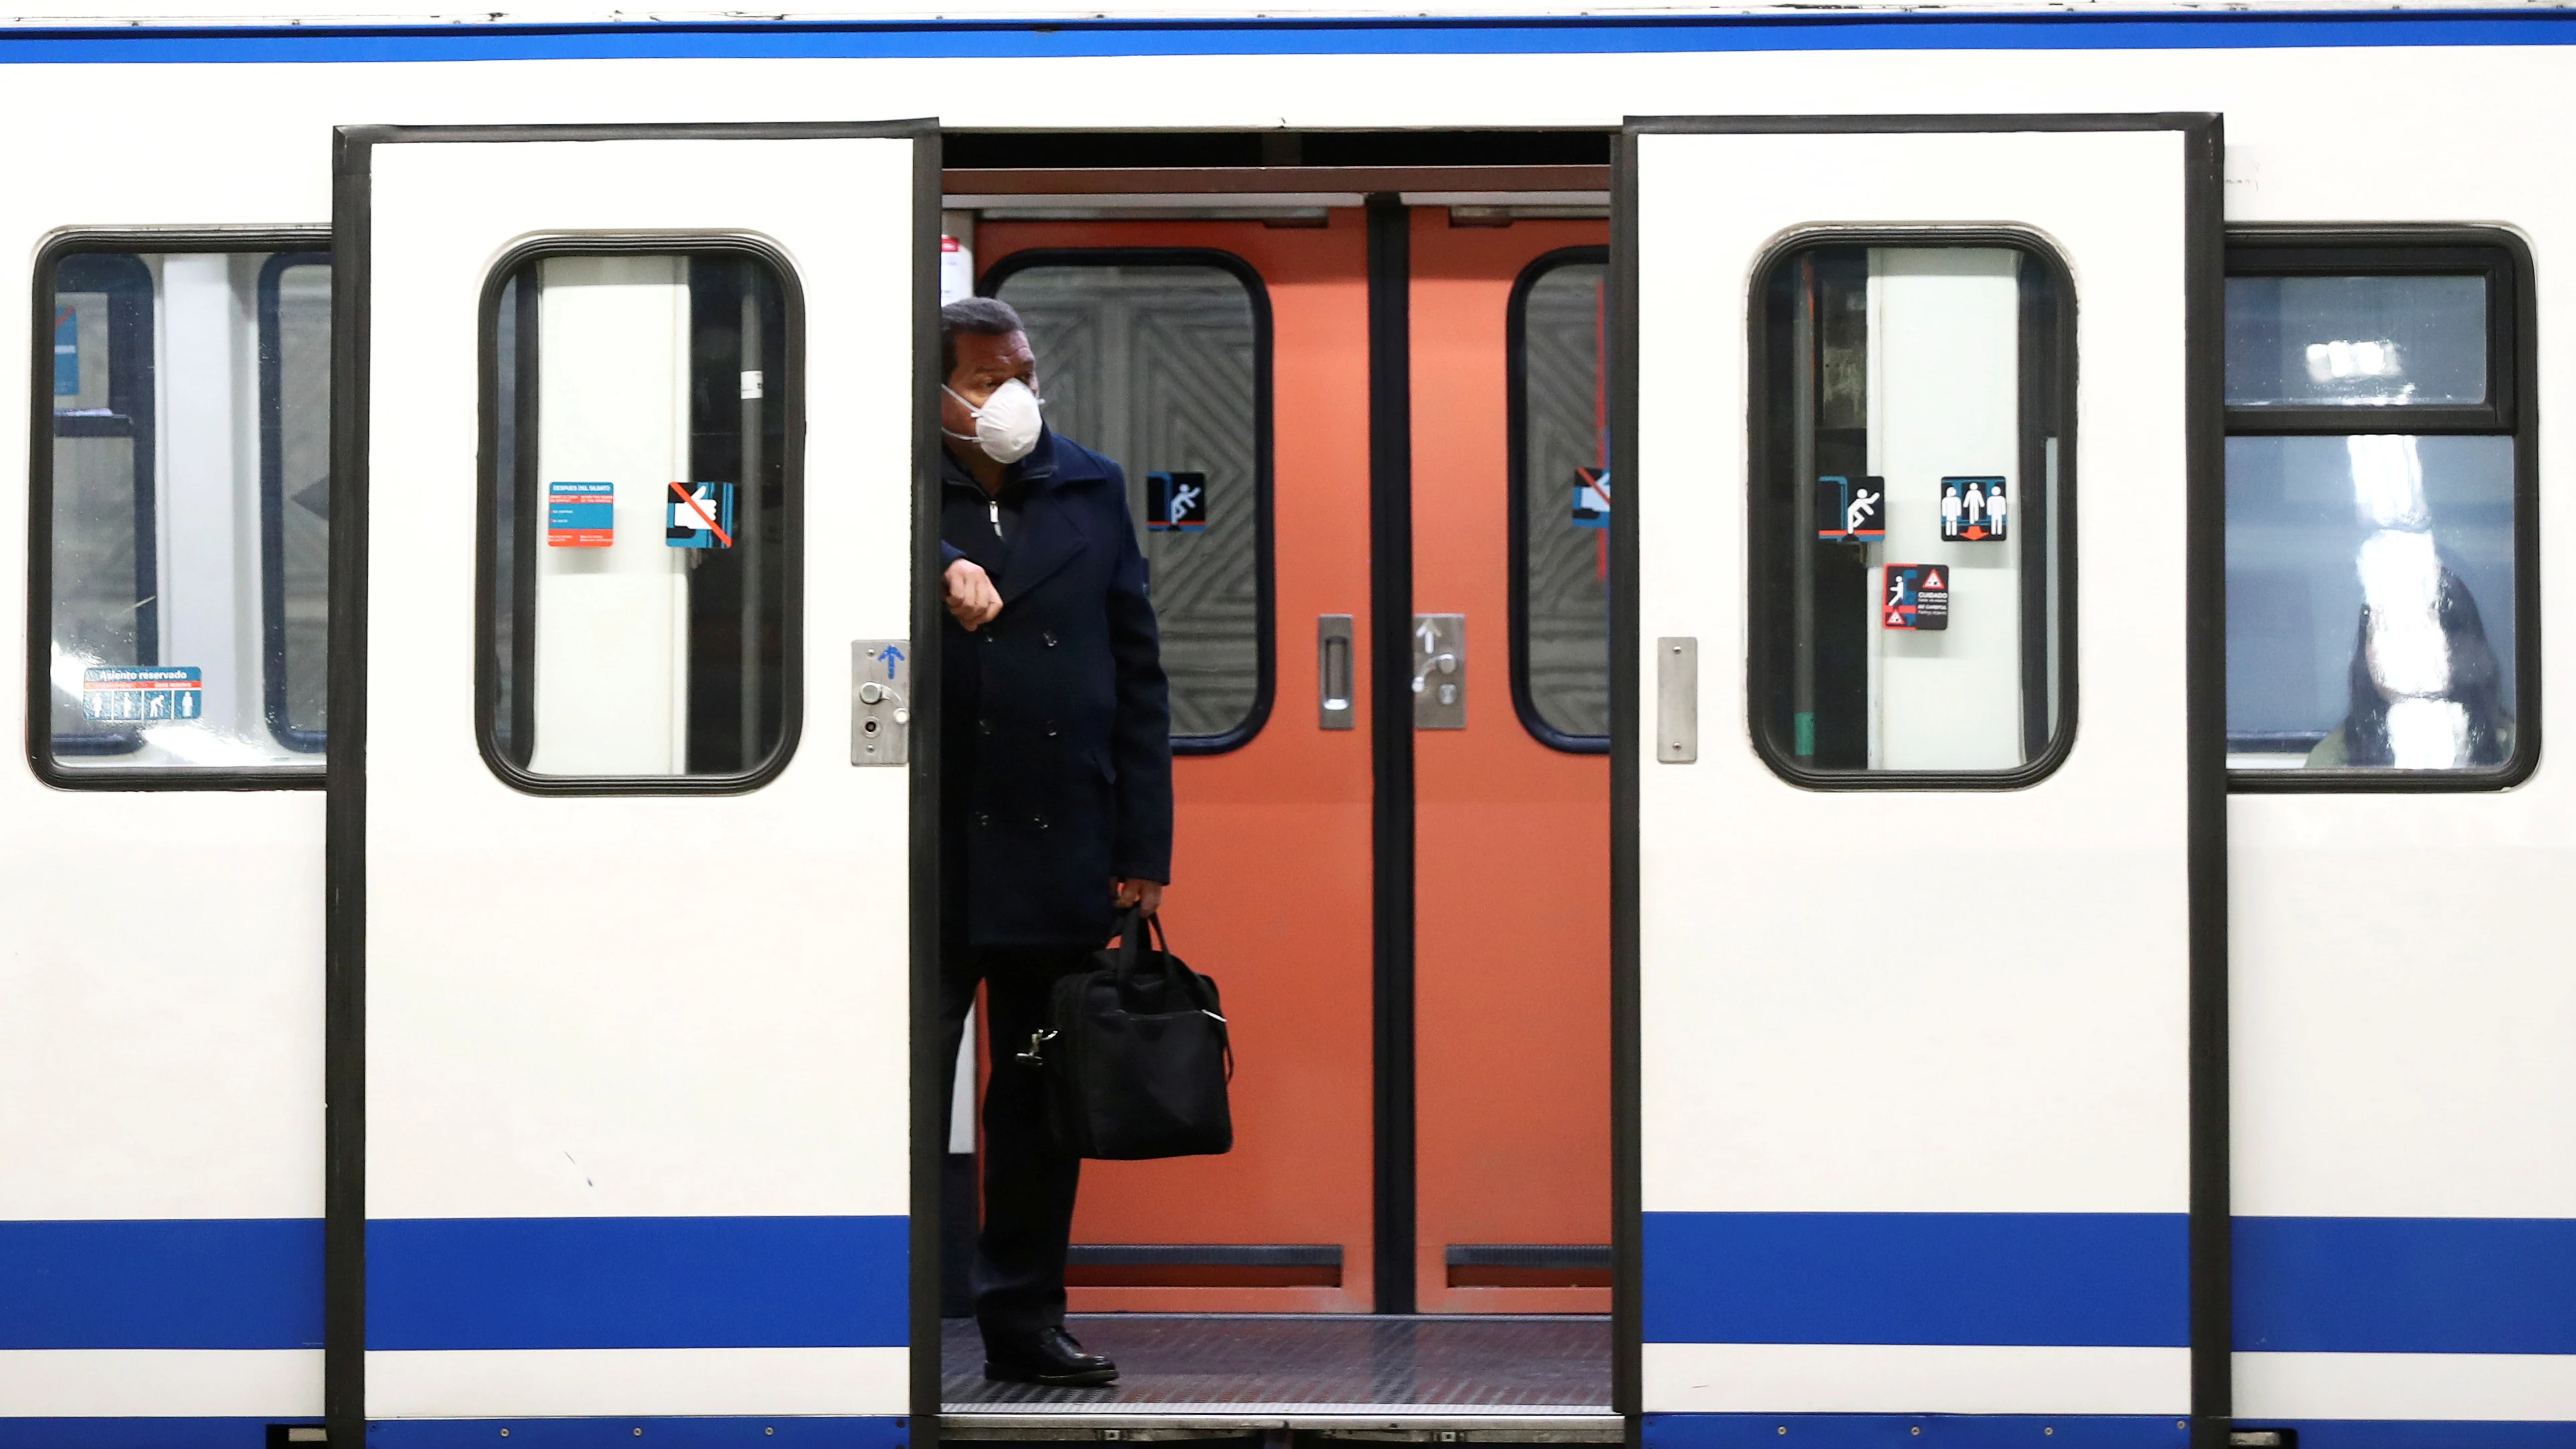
1055, 788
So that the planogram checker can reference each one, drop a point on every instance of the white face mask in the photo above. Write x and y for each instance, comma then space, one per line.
1007, 425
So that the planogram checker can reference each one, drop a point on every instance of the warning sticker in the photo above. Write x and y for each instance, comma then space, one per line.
1176, 502
701, 516
1848, 512
1974, 510
581, 515
142, 694
1592, 498
1916, 596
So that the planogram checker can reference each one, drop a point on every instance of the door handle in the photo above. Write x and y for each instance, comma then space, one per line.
1333, 709
880, 702
1440, 671
1677, 700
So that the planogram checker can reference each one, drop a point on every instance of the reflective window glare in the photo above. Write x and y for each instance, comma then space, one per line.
2370, 602
2357, 341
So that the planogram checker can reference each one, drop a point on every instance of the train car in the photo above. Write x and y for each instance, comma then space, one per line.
1735, 931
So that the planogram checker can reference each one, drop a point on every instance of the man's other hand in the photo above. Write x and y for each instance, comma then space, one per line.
1147, 894
971, 595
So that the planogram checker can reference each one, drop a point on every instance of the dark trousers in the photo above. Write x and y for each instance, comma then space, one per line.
1028, 1183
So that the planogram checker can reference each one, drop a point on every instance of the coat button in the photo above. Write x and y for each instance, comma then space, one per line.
983, 819
983, 727
1049, 636
1050, 729
1038, 820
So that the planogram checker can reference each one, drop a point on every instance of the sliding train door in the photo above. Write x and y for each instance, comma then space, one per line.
1926, 956
1225, 361
1511, 899
629, 449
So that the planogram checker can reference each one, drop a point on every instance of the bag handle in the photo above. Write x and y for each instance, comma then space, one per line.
1134, 929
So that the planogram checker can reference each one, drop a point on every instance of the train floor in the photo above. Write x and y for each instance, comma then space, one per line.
1463, 1366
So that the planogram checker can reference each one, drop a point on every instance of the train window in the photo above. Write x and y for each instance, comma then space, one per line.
1912, 405
183, 497
2379, 571
640, 411
1561, 497
294, 299
2356, 341
1160, 359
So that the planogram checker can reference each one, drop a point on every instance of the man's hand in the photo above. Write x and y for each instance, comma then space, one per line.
971, 595
1145, 893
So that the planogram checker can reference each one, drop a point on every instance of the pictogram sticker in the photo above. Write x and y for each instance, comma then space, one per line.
143, 694
1592, 498
1849, 512
1975, 510
1915, 596
1176, 502
701, 516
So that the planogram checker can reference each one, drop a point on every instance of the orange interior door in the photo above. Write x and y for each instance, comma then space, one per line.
1512, 863
1272, 849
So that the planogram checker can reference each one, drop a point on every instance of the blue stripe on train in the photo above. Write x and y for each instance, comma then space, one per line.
1914, 1431
663, 1282
139, 1433
2094, 1279
2422, 1433
222, 1283
1078, 38
708, 1432
2406, 1285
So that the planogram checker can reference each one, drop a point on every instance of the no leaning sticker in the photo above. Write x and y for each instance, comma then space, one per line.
1915, 596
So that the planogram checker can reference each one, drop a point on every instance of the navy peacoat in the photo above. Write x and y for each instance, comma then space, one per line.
1055, 737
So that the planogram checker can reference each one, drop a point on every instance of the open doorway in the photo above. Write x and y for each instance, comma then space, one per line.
1357, 382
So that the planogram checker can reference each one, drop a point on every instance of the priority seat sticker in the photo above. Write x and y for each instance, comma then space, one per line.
142, 694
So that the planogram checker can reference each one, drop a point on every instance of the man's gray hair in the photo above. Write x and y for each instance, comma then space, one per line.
977, 316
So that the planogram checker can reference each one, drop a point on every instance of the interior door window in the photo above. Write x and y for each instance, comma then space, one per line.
1161, 362
1912, 486
185, 504
641, 417
1563, 492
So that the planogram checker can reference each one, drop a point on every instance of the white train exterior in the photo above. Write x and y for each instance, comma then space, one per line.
2227, 1105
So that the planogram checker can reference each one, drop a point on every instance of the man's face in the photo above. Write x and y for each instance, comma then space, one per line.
984, 364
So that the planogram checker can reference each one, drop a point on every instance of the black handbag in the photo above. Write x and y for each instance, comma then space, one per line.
1137, 1058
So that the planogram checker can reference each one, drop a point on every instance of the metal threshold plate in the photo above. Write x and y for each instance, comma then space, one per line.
1467, 1427
1525, 1377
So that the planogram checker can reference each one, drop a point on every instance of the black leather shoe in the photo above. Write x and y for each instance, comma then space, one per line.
1050, 1357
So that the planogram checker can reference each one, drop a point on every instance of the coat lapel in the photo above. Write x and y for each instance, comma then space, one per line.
1051, 534
1050, 537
